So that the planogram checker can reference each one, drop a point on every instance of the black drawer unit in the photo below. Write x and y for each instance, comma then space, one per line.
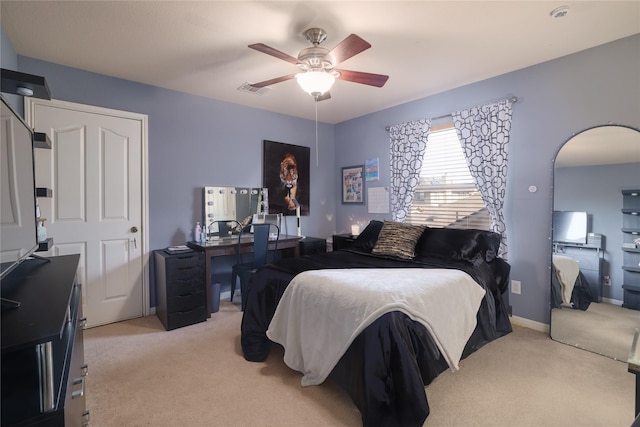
631, 249
181, 297
312, 245
343, 241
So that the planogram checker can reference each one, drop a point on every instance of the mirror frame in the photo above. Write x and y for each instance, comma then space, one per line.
553, 205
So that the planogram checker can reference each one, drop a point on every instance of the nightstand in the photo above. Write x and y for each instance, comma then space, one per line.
312, 245
343, 241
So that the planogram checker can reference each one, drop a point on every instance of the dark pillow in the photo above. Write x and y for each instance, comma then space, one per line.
398, 240
368, 237
469, 245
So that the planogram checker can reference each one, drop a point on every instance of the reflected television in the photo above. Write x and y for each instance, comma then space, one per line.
570, 227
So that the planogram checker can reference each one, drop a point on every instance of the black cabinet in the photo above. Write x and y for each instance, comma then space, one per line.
181, 297
43, 369
631, 248
312, 245
343, 241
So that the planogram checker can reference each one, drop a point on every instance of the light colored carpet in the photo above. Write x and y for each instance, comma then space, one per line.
603, 328
142, 375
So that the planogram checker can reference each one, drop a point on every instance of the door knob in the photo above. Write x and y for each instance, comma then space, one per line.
134, 229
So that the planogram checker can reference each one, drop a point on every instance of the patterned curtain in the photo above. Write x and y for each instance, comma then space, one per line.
408, 143
484, 136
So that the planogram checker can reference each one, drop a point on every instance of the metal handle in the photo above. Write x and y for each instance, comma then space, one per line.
85, 370
78, 393
86, 418
44, 353
82, 322
134, 229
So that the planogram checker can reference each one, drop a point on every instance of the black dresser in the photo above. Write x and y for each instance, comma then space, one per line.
43, 369
312, 245
181, 297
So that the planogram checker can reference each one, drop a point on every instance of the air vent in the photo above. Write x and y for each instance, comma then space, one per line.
246, 87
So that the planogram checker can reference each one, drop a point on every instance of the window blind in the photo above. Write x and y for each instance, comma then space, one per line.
446, 195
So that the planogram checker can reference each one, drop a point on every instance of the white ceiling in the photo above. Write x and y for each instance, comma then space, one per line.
426, 47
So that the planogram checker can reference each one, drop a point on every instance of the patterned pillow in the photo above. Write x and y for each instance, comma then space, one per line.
398, 240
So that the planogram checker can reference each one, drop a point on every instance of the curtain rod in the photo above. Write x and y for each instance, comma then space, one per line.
513, 99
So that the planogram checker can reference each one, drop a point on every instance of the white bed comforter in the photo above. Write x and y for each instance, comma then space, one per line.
322, 311
568, 270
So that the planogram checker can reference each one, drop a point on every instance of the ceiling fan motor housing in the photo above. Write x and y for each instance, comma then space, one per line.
315, 35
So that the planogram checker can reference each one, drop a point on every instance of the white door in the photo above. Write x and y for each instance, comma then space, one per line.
96, 169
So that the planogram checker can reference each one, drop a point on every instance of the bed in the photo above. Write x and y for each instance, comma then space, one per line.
386, 363
569, 287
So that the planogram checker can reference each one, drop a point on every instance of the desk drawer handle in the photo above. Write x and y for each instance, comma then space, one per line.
82, 322
86, 418
78, 393
85, 370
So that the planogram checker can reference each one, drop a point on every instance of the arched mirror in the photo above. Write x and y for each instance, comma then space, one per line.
595, 271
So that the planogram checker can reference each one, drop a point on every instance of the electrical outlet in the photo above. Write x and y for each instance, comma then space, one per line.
516, 287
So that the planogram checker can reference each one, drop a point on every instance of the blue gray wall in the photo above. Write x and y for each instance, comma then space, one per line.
555, 100
9, 60
195, 141
597, 190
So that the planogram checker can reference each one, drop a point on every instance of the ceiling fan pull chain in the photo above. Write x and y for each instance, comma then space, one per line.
316, 99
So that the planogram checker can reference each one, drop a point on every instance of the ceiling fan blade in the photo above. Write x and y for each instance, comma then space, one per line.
347, 48
261, 47
273, 81
370, 79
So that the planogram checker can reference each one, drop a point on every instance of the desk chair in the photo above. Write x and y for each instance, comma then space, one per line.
225, 228
244, 269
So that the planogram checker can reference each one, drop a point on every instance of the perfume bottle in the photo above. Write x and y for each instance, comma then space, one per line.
197, 232
42, 231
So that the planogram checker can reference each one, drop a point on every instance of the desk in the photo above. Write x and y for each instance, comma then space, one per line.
229, 246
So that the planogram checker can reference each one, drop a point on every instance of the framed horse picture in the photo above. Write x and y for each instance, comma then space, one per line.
285, 173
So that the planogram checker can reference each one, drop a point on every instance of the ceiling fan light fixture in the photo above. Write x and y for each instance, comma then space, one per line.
315, 83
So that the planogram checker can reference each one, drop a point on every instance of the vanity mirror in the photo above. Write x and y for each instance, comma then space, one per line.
592, 172
233, 203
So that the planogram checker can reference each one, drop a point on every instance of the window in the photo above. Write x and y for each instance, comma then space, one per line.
446, 195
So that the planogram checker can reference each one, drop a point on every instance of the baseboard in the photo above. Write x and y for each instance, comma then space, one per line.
531, 324
612, 301
544, 327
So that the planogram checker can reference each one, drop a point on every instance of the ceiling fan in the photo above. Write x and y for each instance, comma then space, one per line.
317, 64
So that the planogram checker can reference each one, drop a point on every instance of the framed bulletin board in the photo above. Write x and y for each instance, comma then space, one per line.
353, 184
